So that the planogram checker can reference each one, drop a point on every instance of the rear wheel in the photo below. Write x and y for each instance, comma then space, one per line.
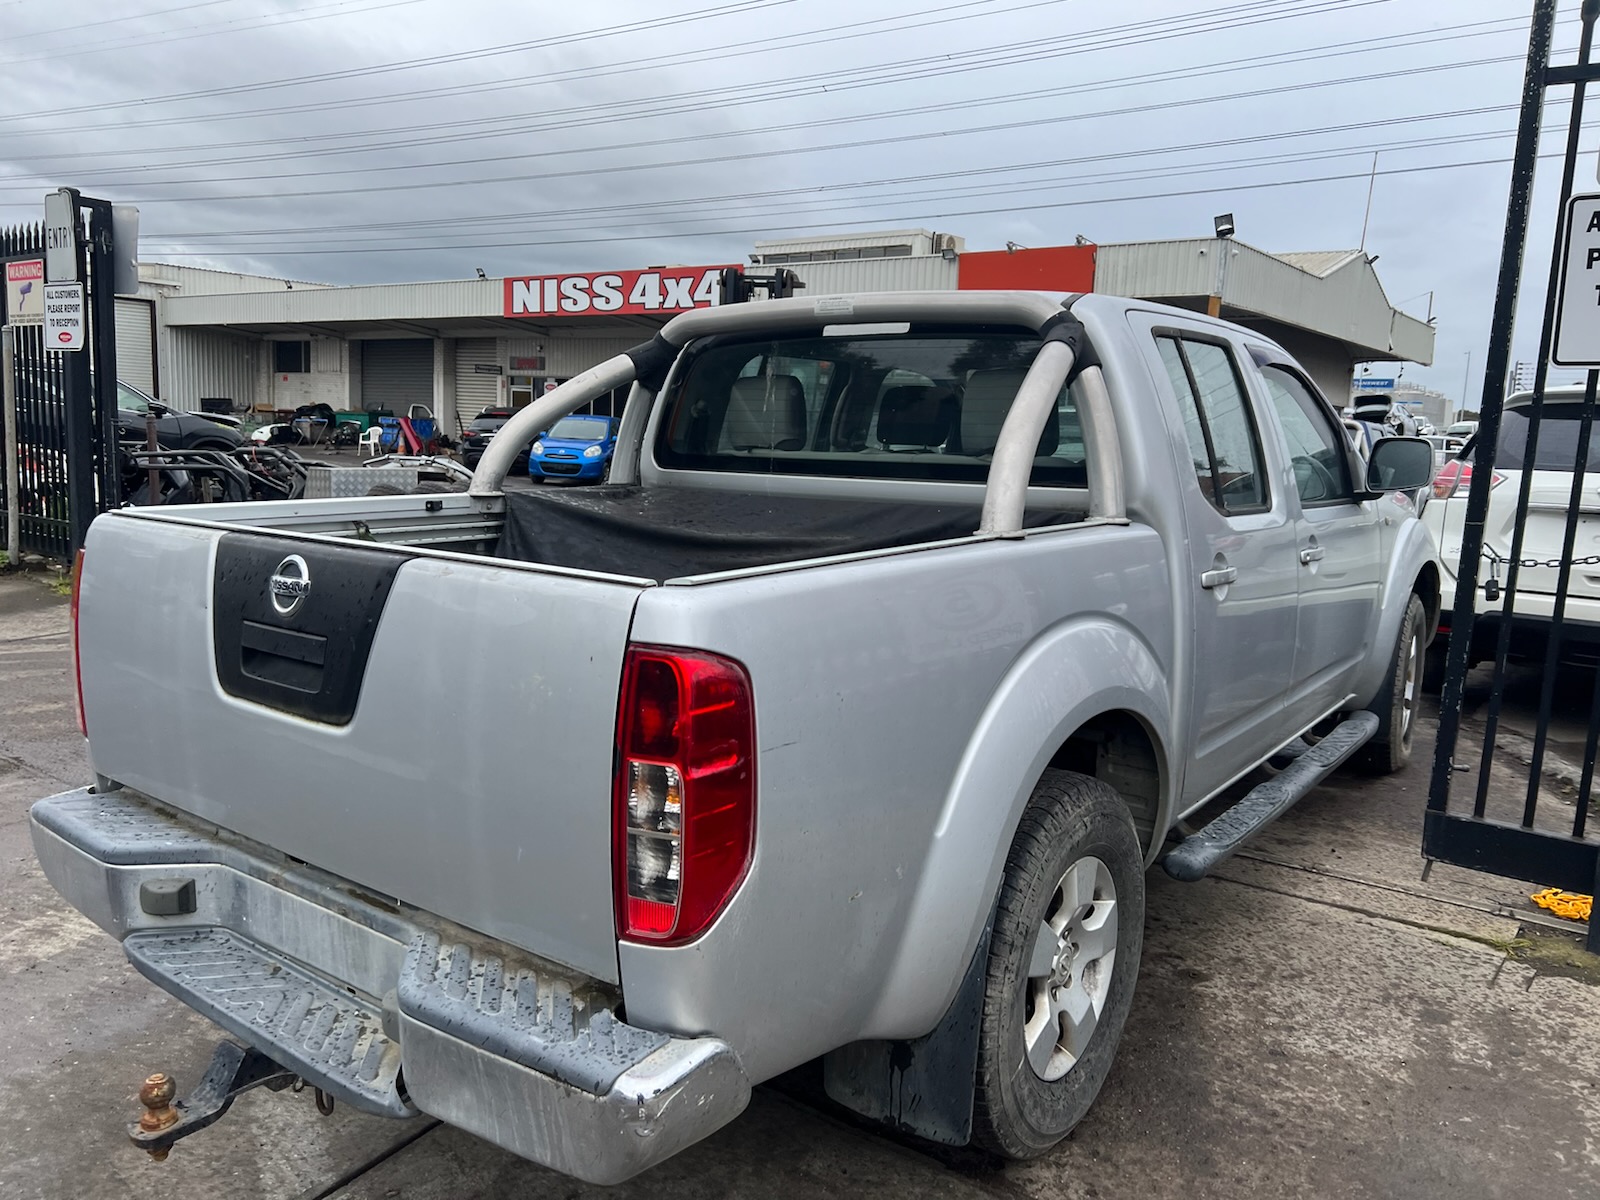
1397, 704
1063, 960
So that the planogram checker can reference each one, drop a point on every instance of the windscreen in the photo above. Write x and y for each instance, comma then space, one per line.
1558, 439
920, 404
581, 429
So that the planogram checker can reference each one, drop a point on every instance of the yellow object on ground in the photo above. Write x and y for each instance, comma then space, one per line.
1565, 904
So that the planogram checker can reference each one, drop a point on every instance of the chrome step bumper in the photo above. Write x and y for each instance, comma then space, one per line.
387, 1008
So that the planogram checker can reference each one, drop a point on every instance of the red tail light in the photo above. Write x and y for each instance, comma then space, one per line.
685, 792
77, 667
1456, 476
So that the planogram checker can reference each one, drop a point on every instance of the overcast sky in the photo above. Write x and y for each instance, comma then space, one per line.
357, 141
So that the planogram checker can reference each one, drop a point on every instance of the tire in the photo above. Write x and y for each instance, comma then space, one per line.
1075, 832
1396, 705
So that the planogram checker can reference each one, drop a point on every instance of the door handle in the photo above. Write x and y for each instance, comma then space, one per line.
1218, 577
1311, 554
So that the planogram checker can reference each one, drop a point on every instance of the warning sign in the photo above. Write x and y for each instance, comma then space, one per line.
63, 316
25, 292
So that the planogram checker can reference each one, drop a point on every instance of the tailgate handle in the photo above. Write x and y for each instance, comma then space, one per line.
282, 656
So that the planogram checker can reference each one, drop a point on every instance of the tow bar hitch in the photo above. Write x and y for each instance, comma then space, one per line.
234, 1070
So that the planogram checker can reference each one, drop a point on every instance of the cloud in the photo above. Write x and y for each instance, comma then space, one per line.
1031, 120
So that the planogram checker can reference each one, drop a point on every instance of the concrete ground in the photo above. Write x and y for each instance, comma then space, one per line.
1314, 1020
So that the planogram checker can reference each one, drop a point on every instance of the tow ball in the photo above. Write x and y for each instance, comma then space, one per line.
234, 1070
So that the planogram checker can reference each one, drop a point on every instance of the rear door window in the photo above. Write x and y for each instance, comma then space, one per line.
1224, 444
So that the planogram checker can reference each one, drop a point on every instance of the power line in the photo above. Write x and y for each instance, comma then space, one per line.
210, 29
890, 220
1057, 184
139, 16
643, 211
741, 95
735, 7
743, 50
746, 156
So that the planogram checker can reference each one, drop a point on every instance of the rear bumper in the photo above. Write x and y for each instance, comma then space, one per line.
1531, 623
390, 1009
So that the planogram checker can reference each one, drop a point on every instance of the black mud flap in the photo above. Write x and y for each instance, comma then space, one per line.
293, 622
924, 1086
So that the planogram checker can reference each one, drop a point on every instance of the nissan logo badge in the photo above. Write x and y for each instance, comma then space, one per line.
289, 585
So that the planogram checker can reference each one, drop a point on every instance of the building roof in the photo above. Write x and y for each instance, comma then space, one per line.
1334, 293
1321, 263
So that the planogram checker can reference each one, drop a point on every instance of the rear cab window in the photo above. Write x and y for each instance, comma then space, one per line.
1219, 425
927, 403
1559, 425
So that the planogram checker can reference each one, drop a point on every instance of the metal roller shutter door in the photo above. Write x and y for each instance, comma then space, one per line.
395, 375
136, 352
476, 390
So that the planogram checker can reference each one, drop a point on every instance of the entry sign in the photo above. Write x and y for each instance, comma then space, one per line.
1577, 342
63, 316
60, 237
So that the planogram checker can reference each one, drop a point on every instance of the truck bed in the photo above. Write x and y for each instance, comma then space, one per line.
665, 533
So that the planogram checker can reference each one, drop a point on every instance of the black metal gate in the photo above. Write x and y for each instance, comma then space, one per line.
64, 459
1530, 835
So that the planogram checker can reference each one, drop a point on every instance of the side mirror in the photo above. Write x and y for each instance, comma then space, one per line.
1398, 464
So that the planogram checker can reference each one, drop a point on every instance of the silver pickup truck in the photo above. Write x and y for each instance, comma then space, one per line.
843, 722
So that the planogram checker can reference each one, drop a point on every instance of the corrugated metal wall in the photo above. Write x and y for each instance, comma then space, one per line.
136, 351
397, 374
916, 273
566, 355
1152, 270
476, 390
199, 364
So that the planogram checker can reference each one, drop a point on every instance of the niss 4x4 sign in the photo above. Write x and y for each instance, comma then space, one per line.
624, 293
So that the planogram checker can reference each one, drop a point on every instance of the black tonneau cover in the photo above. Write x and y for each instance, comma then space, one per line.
666, 533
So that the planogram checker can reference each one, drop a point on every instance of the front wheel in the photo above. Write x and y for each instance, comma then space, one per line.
1397, 704
1063, 960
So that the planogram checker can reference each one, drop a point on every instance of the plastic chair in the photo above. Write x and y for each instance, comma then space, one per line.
368, 442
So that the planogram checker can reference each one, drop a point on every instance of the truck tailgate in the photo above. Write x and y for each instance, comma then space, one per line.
437, 731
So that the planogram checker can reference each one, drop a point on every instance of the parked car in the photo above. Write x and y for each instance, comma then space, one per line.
175, 430
1543, 531
475, 438
578, 447
848, 716
1462, 429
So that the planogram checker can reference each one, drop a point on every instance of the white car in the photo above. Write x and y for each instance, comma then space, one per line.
1545, 528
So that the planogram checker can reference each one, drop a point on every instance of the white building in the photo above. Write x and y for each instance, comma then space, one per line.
458, 346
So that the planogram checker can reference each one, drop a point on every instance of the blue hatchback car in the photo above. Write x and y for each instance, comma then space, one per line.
574, 448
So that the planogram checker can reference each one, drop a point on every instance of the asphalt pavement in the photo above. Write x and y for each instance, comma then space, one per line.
1314, 1020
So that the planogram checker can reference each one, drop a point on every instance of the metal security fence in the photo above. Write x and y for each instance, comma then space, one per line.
1510, 602
41, 491
61, 467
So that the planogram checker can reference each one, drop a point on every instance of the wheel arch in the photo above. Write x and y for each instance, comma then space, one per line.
1412, 570
1089, 689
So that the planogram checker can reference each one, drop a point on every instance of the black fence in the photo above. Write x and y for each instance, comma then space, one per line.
67, 468
1511, 601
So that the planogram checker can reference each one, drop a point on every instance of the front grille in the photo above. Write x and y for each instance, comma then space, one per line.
560, 468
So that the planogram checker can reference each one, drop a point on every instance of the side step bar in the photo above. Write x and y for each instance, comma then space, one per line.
1195, 856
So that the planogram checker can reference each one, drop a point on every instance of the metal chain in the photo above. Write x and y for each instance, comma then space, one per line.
1591, 560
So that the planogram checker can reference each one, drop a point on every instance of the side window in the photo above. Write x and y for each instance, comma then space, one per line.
1221, 430
1316, 448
